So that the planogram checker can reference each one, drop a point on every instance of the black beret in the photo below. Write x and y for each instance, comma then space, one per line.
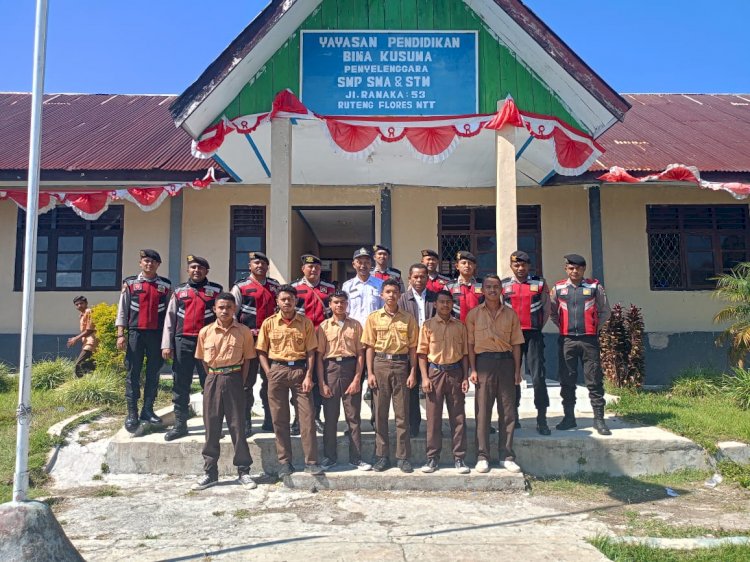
199, 260
258, 256
518, 255
362, 252
432, 253
378, 247
79, 299
309, 258
575, 259
466, 255
151, 254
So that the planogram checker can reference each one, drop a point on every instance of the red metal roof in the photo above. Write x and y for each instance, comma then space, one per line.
97, 132
709, 131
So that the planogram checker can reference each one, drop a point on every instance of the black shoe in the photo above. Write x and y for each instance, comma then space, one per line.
314, 469
285, 470
327, 463
319, 426
131, 422
148, 415
492, 430
267, 424
205, 481
430, 466
382, 464
179, 430
405, 466
568, 422
248, 428
294, 428
542, 427
601, 427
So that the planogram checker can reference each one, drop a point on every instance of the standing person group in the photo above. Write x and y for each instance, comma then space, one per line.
315, 346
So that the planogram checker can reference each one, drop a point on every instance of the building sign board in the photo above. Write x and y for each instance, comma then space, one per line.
400, 73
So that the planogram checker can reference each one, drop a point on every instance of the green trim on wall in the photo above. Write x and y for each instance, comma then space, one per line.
500, 71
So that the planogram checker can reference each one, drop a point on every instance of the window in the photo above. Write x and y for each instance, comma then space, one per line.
247, 233
473, 229
688, 245
74, 254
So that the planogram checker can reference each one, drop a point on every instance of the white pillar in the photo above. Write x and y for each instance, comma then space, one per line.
279, 220
506, 213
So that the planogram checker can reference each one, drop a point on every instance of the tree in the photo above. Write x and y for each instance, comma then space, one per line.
734, 289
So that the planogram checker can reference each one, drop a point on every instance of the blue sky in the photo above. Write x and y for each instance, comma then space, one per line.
161, 46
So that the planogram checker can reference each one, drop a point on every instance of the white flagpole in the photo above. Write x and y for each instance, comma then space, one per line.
23, 414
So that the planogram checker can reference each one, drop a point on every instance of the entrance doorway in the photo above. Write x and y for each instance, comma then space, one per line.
333, 233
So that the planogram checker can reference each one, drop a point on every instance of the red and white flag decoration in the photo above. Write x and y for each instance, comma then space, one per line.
90, 205
678, 173
431, 139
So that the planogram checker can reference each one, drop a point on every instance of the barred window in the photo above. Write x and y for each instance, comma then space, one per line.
247, 233
74, 254
473, 229
689, 245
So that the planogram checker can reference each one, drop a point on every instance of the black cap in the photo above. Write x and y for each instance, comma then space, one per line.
258, 256
466, 255
199, 260
79, 299
519, 256
575, 259
151, 254
362, 252
431, 253
309, 258
378, 247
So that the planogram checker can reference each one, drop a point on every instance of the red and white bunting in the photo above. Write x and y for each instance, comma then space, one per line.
678, 173
90, 205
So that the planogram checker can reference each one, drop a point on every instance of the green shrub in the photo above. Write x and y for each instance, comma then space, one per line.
737, 386
46, 375
8, 380
735, 472
697, 382
102, 387
107, 356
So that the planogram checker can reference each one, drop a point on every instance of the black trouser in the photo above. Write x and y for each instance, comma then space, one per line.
84, 363
143, 344
585, 349
184, 364
532, 353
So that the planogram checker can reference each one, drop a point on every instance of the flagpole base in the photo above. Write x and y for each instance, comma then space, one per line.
29, 531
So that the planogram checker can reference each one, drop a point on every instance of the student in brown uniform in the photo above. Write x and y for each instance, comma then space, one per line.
226, 349
286, 345
340, 363
390, 335
87, 336
444, 363
495, 340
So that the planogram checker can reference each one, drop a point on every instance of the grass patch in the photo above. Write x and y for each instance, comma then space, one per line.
649, 525
108, 491
735, 472
47, 375
96, 389
8, 379
642, 553
242, 514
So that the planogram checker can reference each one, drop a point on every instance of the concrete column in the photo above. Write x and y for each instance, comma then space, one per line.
595, 222
176, 266
279, 246
385, 216
506, 212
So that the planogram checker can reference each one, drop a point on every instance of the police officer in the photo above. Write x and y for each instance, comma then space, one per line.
528, 295
580, 309
314, 301
466, 289
256, 300
436, 282
382, 255
141, 311
190, 309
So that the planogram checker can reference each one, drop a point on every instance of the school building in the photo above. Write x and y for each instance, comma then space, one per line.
332, 124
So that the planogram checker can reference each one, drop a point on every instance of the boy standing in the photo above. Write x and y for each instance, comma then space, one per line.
87, 336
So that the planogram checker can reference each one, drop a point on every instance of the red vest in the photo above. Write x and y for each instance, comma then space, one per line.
576, 307
526, 300
258, 301
438, 284
465, 297
148, 302
390, 273
195, 307
314, 302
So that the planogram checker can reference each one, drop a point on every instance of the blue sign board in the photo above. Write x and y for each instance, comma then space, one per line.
407, 73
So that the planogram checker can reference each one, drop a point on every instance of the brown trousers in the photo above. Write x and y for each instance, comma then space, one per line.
496, 382
338, 377
223, 396
281, 380
446, 386
391, 376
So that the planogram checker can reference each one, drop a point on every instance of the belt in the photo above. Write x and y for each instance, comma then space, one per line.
229, 370
496, 354
447, 367
392, 356
343, 359
297, 363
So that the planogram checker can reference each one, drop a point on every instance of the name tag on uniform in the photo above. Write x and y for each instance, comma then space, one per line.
534, 288
587, 292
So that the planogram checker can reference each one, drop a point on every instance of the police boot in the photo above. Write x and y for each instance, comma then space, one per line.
180, 428
569, 421
541, 422
599, 424
148, 415
131, 421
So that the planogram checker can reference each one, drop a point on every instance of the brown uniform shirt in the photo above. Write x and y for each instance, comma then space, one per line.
444, 343
225, 347
89, 343
336, 340
496, 334
287, 341
391, 334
